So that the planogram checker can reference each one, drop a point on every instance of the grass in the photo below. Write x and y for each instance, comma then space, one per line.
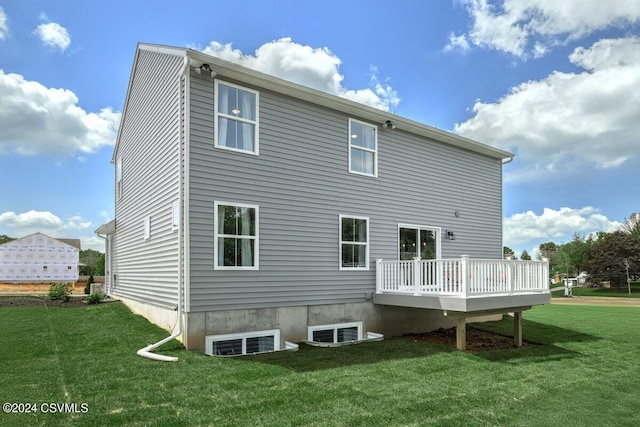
584, 373
623, 292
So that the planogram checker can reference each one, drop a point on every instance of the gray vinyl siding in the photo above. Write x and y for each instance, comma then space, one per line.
301, 183
147, 270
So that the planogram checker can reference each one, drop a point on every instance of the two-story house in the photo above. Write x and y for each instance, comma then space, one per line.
260, 212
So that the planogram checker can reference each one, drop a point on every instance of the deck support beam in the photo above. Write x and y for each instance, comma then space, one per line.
517, 328
461, 323
461, 334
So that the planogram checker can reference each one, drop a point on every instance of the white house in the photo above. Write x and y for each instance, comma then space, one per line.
39, 258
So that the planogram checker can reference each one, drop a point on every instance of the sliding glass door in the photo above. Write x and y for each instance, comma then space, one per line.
422, 242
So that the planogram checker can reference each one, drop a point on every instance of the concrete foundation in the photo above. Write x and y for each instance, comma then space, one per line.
163, 317
293, 321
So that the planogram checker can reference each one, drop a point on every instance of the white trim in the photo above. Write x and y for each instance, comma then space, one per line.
256, 238
437, 237
210, 339
365, 149
216, 114
335, 327
340, 242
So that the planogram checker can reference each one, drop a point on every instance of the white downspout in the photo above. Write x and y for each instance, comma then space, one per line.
177, 329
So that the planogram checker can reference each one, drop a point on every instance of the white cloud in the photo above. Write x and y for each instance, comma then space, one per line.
459, 43
317, 68
25, 223
53, 35
527, 28
4, 25
39, 120
569, 120
552, 225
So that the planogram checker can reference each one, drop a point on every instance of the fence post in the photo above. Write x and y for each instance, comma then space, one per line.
464, 272
378, 275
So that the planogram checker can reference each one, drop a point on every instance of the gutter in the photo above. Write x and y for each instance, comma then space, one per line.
177, 329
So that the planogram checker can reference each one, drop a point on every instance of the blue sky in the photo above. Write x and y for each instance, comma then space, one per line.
557, 83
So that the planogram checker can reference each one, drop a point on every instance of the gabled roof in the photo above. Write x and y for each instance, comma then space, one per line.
237, 72
68, 242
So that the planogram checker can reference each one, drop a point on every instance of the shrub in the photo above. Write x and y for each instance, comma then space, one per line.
87, 287
61, 291
95, 298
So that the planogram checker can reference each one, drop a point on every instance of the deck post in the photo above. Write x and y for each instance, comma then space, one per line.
416, 275
378, 275
517, 328
461, 333
464, 273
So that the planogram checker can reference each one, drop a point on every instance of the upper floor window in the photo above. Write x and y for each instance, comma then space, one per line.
236, 118
354, 243
363, 148
236, 236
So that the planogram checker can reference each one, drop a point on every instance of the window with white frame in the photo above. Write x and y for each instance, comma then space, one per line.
119, 178
243, 343
342, 332
236, 236
363, 148
354, 243
236, 118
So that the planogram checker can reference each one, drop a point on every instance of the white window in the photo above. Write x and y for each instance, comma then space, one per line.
236, 236
363, 148
243, 343
147, 228
342, 332
119, 178
236, 118
175, 216
354, 243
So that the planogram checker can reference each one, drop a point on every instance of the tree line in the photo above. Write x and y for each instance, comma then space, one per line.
611, 257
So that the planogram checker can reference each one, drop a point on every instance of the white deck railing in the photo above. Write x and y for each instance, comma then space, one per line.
464, 277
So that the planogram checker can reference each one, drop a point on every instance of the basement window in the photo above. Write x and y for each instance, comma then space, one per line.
339, 334
243, 343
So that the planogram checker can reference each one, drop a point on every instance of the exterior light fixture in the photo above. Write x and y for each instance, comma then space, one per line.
388, 124
450, 235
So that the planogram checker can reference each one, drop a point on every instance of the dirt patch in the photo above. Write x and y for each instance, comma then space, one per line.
35, 288
37, 301
477, 340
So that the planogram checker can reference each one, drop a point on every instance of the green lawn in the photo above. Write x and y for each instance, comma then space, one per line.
623, 292
584, 373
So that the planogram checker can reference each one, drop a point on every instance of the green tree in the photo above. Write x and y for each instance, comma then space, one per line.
525, 256
571, 257
507, 252
606, 258
91, 260
4, 239
632, 226
100, 266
